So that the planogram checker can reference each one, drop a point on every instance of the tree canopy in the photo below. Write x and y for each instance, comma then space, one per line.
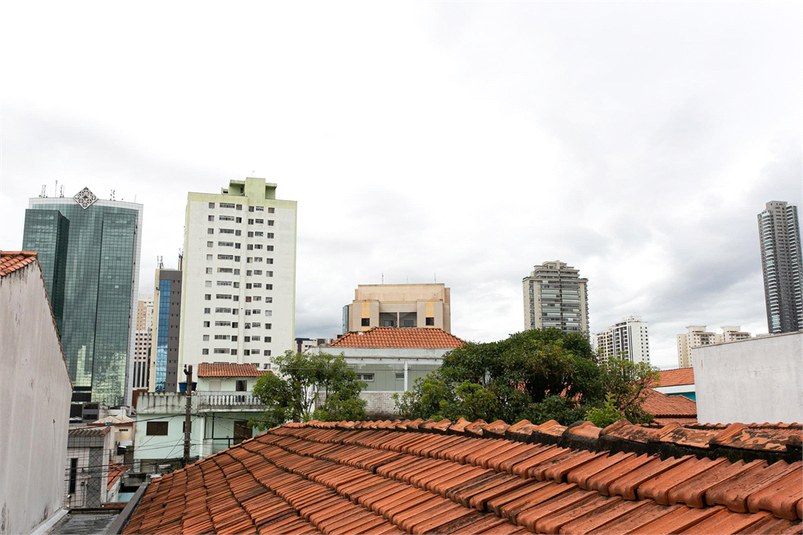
536, 375
304, 381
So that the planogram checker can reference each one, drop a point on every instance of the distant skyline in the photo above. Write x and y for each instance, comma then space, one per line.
461, 143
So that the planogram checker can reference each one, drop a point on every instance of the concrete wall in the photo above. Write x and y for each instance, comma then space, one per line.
34, 404
750, 381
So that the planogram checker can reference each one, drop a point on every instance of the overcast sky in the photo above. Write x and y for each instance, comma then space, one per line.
461, 143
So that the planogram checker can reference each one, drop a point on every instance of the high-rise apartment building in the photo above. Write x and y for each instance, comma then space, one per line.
142, 342
782, 263
626, 339
89, 250
163, 369
398, 305
697, 336
238, 301
555, 296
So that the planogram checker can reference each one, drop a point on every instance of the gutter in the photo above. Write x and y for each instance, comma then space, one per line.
122, 519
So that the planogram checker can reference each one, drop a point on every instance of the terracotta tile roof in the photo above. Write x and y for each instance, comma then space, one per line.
11, 261
474, 477
116, 471
221, 369
86, 431
666, 408
676, 377
431, 338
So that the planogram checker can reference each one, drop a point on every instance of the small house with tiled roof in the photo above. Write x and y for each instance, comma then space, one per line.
677, 382
390, 359
34, 398
403, 476
221, 407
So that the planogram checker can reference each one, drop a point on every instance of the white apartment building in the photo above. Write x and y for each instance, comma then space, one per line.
626, 339
555, 297
697, 336
238, 292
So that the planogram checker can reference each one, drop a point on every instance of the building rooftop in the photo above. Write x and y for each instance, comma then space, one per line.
676, 377
667, 409
406, 337
11, 261
477, 477
116, 471
222, 369
82, 430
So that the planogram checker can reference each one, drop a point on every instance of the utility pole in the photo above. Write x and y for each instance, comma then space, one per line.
188, 415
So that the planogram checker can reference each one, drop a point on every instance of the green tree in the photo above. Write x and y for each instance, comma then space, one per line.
538, 375
301, 380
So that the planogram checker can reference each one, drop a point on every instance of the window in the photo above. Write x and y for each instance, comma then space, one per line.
207, 297
260, 208
365, 322
250, 247
238, 220
255, 338
73, 475
206, 324
224, 270
270, 222
226, 218
208, 284
222, 337
210, 218
211, 205
222, 296
209, 271
268, 338
271, 210
222, 324
257, 272
225, 257
269, 287
225, 231
226, 205
222, 351
255, 324
207, 311
250, 221
222, 283
270, 235
209, 257
224, 244
399, 375
206, 338
239, 206
268, 325
367, 377
408, 323
156, 429
241, 385
269, 273
259, 221
430, 322
221, 310
258, 233
268, 248
204, 351
210, 231
250, 208
269, 260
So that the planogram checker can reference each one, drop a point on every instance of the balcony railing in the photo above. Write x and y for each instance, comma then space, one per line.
212, 401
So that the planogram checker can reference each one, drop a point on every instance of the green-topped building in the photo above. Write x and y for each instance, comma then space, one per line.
89, 250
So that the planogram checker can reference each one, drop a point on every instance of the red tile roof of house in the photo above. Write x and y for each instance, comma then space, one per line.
11, 261
222, 369
116, 471
669, 408
676, 377
475, 477
418, 337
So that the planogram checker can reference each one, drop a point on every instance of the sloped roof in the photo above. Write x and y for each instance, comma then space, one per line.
406, 337
676, 377
116, 471
87, 431
663, 406
474, 477
11, 261
114, 420
222, 369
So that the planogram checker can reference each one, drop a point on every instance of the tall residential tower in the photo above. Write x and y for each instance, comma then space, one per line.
555, 296
781, 261
89, 250
626, 339
238, 292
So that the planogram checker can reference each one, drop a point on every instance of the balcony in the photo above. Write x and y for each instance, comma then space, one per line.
226, 401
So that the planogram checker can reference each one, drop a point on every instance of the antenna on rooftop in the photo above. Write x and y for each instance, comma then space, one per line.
112, 196
56, 189
159, 262
44, 191
61, 192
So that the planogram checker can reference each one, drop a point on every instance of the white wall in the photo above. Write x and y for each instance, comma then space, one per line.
750, 381
34, 404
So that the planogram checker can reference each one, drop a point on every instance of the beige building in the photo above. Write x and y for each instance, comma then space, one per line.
626, 339
697, 336
398, 305
555, 296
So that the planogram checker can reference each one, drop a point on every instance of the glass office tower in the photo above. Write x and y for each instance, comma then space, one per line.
89, 250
